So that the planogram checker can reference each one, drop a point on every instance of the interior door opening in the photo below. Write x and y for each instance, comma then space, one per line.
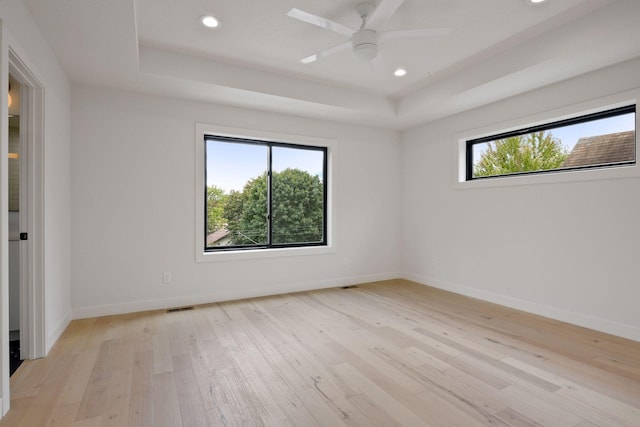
17, 205
26, 152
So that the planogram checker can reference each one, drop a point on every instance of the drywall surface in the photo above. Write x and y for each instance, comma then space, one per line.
25, 39
133, 204
566, 249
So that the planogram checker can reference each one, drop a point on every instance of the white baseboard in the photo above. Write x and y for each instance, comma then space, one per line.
57, 332
599, 324
225, 295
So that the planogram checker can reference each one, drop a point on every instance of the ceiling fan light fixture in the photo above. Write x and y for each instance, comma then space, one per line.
210, 21
365, 52
400, 72
365, 44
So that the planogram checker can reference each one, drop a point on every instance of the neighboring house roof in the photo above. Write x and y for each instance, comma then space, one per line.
602, 149
217, 236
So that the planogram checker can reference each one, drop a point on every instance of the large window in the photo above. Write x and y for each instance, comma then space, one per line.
261, 194
597, 140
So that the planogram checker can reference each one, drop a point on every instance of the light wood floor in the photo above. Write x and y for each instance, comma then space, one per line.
388, 353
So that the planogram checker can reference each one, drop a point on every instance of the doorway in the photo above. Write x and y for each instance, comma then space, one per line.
17, 205
26, 146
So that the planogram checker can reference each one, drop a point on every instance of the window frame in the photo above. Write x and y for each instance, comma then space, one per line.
269, 170
586, 118
568, 112
239, 254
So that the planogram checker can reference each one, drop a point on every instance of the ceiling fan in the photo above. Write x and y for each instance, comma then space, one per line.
363, 41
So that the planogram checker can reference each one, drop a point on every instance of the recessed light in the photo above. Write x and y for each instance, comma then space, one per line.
209, 21
400, 72
536, 1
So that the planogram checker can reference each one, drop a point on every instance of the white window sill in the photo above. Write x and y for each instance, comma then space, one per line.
594, 174
587, 174
247, 254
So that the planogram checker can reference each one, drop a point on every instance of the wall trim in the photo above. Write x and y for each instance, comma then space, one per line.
579, 319
599, 324
225, 295
57, 332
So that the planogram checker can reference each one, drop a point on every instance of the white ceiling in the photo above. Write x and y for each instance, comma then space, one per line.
496, 49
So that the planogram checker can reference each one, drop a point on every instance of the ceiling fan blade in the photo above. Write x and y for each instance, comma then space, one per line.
408, 34
383, 12
319, 21
323, 54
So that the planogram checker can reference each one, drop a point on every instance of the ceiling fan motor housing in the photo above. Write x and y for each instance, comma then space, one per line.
365, 44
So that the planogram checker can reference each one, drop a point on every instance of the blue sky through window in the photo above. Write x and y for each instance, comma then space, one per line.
569, 135
231, 164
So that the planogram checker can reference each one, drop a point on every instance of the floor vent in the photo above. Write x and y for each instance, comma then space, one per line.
349, 287
173, 310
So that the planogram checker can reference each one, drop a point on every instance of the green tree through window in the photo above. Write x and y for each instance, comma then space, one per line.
282, 208
216, 201
536, 151
297, 207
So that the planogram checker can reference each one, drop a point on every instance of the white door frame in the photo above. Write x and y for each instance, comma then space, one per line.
31, 218
33, 109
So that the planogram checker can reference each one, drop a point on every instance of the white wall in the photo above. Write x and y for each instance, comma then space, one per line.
26, 40
22, 35
566, 250
133, 206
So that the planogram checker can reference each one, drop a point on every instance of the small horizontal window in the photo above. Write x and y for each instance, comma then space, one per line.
597, 140
262, 194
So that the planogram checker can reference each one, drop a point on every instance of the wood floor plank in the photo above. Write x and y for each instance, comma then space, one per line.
63, 415
165, 401
118, 398
47, 396
189, 397
94, 399
514, 418
75, 388
141, 413
386, 353
540, 407
585, 401
162, 357
380, 405
19, 409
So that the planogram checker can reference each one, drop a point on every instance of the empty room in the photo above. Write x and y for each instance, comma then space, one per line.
319, 213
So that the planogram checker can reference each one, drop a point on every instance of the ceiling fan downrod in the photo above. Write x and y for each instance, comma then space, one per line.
365, 41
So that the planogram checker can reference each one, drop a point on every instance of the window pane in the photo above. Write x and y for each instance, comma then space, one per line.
601, 141
532, 152
298, 195
236, 200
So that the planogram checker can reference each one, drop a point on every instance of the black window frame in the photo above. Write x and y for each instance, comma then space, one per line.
269, 145
545, 127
